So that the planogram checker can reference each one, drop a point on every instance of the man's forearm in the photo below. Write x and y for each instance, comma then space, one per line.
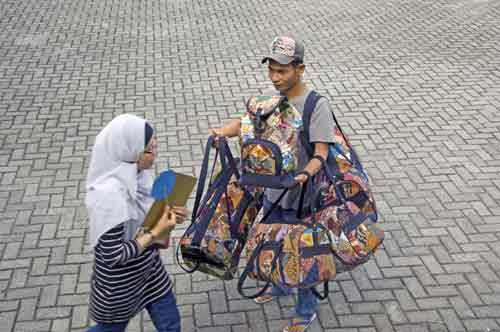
314, 165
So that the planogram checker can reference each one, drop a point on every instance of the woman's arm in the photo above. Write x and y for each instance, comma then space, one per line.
116, 251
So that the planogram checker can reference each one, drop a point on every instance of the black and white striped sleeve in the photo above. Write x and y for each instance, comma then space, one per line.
114, 249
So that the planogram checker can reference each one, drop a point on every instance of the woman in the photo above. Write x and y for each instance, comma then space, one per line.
128, 274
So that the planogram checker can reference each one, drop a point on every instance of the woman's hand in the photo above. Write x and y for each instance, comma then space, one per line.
166, 223
180, 214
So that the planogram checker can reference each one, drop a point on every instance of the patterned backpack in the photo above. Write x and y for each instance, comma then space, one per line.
221, 219
269, 136
336, 235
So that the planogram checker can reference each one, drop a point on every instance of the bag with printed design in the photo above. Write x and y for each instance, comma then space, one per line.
302, 252
222, 217
269, 135
337, 233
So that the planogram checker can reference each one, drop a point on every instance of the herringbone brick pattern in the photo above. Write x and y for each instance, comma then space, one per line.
416, 84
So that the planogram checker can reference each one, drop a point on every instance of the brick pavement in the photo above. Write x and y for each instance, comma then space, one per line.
416, 84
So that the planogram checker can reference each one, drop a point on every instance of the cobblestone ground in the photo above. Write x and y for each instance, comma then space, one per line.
416, 84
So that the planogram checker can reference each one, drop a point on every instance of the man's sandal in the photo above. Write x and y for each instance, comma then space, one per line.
264, 298
304, 322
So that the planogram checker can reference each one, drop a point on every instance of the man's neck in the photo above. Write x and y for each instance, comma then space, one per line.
297, 90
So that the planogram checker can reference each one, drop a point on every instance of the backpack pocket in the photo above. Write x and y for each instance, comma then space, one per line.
262, 165
261, 157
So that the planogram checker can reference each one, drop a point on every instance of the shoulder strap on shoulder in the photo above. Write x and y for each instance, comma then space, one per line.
309, 107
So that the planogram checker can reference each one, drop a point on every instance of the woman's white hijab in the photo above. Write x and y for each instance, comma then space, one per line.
116, 190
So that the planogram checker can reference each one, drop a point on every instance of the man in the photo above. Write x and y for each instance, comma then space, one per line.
286, 68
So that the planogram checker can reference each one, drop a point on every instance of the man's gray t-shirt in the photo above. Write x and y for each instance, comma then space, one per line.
321, 130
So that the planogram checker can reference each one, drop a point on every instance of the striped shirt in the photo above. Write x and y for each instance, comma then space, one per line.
124, 280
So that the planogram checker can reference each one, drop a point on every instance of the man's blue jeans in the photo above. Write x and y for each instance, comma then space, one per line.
163, 313
307, 303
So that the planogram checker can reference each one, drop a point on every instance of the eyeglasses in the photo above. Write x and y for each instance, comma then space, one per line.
151, 150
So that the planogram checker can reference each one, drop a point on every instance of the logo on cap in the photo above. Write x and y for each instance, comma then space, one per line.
283, 45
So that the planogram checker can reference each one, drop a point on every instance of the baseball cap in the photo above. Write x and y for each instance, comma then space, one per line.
284, 50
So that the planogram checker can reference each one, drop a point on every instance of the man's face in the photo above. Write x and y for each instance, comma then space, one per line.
284, 77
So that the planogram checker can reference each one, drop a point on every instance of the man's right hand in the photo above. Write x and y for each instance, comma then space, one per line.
216, 133
230, 129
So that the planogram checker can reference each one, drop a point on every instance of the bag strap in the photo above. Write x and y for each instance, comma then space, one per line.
203, 177
224, 152
250, 266
302, 196
240, 211
202, 225
197, 200
186, 269
309, 107
273, 206
219, 187
230, 159
325, 291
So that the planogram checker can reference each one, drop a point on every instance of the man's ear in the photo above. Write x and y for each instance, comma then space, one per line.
301, 68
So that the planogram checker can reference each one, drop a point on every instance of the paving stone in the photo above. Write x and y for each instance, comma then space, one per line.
7, 320
51, 313
256, 320
481, 325
39, 325
383, 323
462, 309
424, 316
355, 320
60, 325
202, 314
229, 318
351, 290
395, 312
79, 316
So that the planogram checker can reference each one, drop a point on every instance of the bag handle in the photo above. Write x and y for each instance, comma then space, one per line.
202, 178
222, 149
226, 152
186, 269
315, 243
214, 201
274, 205
199, 193
326, 168
223, 179
250, 266
301, 199
325, 291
